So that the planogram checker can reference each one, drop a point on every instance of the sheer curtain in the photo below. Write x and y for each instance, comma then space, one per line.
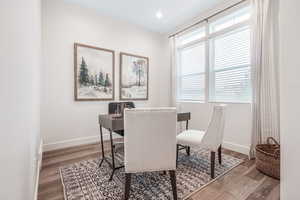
173, 71
265, 83
173, 62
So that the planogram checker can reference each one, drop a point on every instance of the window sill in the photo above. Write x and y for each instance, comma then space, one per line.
189, 101
215, 102
224, 102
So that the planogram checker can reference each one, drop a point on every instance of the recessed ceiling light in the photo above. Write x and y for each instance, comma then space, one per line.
159, 14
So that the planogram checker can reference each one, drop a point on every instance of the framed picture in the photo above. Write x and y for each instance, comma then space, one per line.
94, 73
134, 77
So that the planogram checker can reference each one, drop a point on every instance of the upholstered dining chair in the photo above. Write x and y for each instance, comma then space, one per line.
150, 143
211, 138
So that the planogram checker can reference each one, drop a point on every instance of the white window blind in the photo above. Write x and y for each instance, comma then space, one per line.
230, 67
222, 46
191, 78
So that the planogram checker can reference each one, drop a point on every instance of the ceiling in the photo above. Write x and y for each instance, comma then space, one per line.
143, 12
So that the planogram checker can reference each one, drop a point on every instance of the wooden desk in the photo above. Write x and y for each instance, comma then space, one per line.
112, 124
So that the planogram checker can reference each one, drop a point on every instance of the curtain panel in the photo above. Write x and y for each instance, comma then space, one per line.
174, 79
265, 81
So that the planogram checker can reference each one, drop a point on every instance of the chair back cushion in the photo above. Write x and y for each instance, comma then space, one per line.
213, 137
150, 139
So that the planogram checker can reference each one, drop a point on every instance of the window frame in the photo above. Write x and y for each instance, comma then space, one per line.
179, 75
240, 26
209, 83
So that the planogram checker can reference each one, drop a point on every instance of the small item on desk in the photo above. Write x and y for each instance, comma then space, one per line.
117, 113
115, 116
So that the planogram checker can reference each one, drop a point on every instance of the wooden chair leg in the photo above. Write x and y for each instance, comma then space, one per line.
188, 150
177, 149
212, 164
173, 182
220, 154
127, 185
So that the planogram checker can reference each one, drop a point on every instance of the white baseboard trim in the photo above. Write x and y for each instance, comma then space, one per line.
72, 142
75, 142
39, 158
93, 139
236, 147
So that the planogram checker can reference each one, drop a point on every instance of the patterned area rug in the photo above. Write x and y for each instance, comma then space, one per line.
85, 181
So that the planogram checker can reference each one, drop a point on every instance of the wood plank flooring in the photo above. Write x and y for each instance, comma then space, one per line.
242, 183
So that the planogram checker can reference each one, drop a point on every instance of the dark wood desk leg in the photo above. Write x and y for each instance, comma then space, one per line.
187, 125
212, 164
112, 155
220, 154
188, 150
177, 150
102, 147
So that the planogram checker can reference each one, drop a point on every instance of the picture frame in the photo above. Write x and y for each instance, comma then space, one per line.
94, 73
134, 77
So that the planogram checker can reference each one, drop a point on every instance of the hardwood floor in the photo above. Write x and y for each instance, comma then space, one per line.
242, 183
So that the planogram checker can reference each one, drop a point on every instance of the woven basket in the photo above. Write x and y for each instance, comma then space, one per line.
268, 158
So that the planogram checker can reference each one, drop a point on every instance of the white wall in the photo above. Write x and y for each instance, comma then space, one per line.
237, 134
290, 98
64, 120
19, 103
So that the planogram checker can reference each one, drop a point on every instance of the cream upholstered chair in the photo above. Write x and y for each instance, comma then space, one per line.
211, 138
150, 143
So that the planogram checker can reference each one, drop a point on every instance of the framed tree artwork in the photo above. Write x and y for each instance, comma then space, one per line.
134, 77
94, 73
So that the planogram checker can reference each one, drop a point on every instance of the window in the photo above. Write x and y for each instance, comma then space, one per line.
192, 73
214, 60
230, 67
236, 17
191, 36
